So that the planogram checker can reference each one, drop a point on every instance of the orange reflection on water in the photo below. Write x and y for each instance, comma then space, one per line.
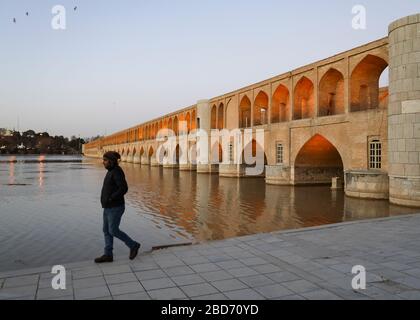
41, 167
12, 171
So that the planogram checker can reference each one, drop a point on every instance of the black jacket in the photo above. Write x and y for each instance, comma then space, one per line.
114, 188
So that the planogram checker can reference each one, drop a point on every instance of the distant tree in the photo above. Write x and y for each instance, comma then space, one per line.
29, 134
30, 142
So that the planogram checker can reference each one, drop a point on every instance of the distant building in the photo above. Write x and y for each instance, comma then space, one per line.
6, 132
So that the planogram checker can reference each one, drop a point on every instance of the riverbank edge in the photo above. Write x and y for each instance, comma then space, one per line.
122, 260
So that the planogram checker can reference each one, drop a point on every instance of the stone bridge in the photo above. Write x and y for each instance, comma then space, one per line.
327, 120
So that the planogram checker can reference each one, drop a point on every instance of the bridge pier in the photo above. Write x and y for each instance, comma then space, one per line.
187, 167
214, 168
154, 162
171, 166
136, 159
207, 168
277, 175
130, 159
145, 161
232, 170
203, 168
367, 184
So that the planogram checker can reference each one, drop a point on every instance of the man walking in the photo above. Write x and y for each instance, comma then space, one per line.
113, 203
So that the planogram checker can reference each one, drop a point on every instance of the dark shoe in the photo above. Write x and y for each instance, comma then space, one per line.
134, 251
104, 259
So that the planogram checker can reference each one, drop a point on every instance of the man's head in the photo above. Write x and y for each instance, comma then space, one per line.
110, 159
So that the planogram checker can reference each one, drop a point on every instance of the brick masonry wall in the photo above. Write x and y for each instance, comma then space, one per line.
404, 110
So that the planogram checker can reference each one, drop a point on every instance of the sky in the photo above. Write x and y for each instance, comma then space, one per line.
121, 63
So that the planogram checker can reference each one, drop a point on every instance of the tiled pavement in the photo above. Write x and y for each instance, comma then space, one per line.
311, 264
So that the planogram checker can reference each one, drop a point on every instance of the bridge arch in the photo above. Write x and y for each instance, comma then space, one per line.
194, 120
213, 117
160, 125
304, 104
176, 125
261, 109
245, 112
317, 162
150, 154
280, 107
364, 83
188, 120
257, 151
221, 117
177, 154
170, 126
232, 120
216, 154
331, 93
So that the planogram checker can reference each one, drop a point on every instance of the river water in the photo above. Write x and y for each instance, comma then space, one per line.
50, 212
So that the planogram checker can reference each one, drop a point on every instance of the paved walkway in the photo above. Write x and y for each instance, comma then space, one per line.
311, 264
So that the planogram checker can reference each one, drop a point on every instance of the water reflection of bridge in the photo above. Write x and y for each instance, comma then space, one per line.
210, 207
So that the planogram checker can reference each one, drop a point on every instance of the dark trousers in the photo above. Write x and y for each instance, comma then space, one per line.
111, 228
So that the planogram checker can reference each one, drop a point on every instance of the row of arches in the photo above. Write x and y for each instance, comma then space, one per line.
188, 121
148, 152
317, 161
150, 131
253, 149
133, 152
317, 150
217, 120
364, 95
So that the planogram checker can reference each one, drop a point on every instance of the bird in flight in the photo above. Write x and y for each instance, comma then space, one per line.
27, 14
14, 20
75, 8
